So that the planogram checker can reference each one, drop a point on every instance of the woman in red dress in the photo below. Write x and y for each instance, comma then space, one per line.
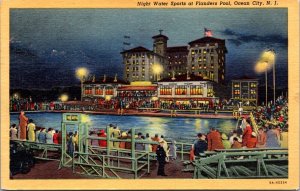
247, 132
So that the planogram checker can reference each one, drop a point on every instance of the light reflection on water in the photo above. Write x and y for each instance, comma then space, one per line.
181, 129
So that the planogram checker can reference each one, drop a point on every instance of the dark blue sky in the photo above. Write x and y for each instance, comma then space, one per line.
47, 45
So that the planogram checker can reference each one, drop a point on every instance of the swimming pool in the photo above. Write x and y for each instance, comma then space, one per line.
179, 128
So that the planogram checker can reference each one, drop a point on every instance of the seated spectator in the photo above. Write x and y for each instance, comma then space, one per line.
214, 140
261, 138
225, 141
236, 144
234, 134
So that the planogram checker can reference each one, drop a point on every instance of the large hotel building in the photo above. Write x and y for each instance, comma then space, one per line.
204, 57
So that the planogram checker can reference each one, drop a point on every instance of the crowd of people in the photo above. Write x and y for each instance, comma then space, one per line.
28, 131
243, 137
273, 114
127, 100
27, 104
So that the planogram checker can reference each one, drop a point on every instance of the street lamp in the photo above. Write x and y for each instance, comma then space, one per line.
64, 97
157, 70
265, 63
81, 73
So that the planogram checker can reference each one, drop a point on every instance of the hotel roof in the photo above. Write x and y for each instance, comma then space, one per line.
177, 49
207, 40
136, 49
160, 36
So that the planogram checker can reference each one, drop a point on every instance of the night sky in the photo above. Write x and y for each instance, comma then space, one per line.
47, 45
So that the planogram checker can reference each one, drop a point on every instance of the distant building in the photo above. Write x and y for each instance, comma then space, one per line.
177, 60
245, 90
138, 64
206, 58
203, 57
103, 88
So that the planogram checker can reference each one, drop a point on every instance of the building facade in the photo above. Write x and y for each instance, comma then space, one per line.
206, 58
245, 90
103, 88
138, 64
177, 60
186, 88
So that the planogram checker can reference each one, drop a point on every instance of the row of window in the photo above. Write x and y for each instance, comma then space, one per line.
135, 69
99, 91
182, 90
245, 84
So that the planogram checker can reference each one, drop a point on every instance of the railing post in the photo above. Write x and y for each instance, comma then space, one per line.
103, 165
107, 143
133, 147
148, 161
181, 151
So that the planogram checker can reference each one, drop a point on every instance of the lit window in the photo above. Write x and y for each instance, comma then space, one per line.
165, 90
196, 90
181, 90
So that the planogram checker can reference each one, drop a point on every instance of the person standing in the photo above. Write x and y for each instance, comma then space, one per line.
247, 132
156, 139
173, 149
70, 144
102, 143
273, 138
31, 129
55, 137
214, 140
161, 159
37, 133
251, 143
42, 136
200, 145
49, 136
148, 147
13, 132
23, 124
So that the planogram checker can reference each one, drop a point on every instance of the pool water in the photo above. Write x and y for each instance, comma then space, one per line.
180, 129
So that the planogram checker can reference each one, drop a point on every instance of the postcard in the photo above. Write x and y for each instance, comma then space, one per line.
146, 94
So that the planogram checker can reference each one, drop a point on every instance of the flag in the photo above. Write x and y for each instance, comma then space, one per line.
126, 36
207, 32
126, 43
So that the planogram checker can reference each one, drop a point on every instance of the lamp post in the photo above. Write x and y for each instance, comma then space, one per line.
266, 62
157, 70
81, 73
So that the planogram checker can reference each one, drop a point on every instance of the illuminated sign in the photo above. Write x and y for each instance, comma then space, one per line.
71, 117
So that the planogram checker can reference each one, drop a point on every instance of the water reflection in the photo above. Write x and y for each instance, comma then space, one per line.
181, 129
